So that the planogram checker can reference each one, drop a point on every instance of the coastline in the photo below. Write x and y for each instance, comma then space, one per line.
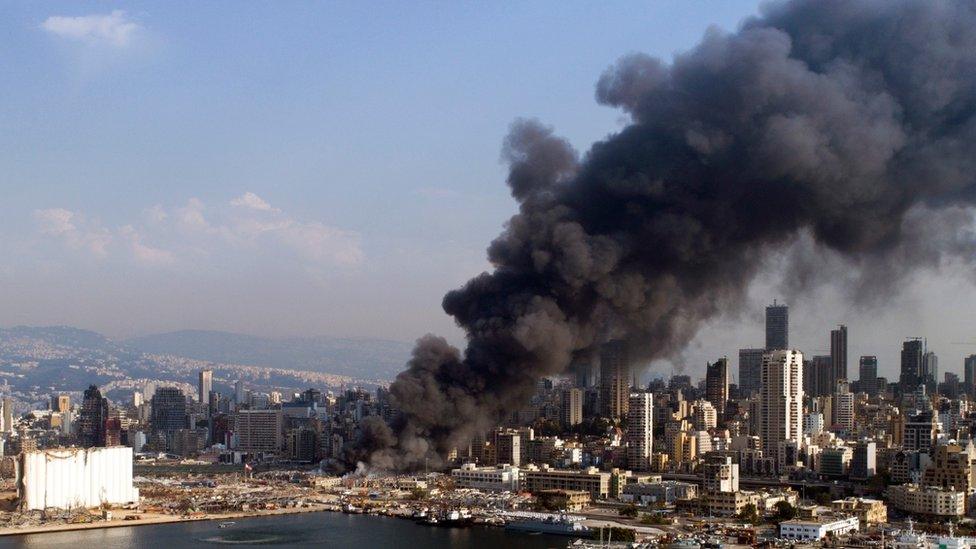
159, 519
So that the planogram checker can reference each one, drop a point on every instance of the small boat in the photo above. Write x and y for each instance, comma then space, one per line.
227, 524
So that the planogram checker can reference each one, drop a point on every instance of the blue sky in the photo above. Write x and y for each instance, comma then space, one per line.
297, 168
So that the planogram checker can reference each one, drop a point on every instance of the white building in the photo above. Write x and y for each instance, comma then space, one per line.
813, 530
640, 423
843, 407
501, 478
813, 424
780, 402
719, 474
705, 415
68, 478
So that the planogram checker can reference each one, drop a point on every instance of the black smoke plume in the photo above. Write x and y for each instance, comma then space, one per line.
835, 121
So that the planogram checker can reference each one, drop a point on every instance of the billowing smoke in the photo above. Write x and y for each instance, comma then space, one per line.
831, 121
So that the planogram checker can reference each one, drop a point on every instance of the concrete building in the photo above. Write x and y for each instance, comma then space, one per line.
500, 478
168, 410
205, 386
838, 352
259, 431
920, 431
69, 478
781, 402
969, 375
864, 461
614, 378
868, 374
728, 504
750, 371
571, 408
640, 425
868, 511
911, 366
91, 418
843, 407
927, 501
591, 480
705, 415
508, 447
834, 462
817, 529
777, 327
661, 491
717, 385
952, 468
720, 474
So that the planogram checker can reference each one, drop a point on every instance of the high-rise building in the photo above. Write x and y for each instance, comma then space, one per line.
717, 385
640, 425
571, 407
930, 371
864, 461
614, 378
838, 352
259, 430
781, 402
969, 373
824, 367
8, 415
911, 366
239, 392
750, 367
205, 386
777, 327
868, 374
168, 410
843, 407
61, 403
92, 418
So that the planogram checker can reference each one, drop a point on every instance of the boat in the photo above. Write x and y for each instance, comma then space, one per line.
226, 524
556, 524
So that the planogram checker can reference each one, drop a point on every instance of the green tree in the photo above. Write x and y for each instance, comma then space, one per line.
784, 511
749, 514
629, 511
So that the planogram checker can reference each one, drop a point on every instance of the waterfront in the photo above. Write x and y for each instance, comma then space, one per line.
301, 530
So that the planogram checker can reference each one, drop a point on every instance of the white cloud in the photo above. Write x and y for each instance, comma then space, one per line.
195, 235
113, 29
252, 201
144, 253
73, 230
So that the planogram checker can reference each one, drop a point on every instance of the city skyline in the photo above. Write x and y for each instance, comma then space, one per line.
127, 248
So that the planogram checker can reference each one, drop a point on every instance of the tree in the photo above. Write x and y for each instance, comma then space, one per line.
784, 511
749, 514
823, 498
629, 511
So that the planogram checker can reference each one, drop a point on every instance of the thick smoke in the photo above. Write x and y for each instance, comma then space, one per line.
832, 121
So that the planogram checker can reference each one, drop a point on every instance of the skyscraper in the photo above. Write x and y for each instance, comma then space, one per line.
969, 373
781, 402
717, 385
868, 374
614, 378
777, 326
8, 415
824, 367
750, 366
838, 352
205, 386
930, 371
571, 409
168, 410
239, 392
911, 366
640, 425
92, 418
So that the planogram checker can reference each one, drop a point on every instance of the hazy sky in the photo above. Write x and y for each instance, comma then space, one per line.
324, 168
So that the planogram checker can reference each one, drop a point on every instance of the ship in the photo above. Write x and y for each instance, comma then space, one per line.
556, 524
